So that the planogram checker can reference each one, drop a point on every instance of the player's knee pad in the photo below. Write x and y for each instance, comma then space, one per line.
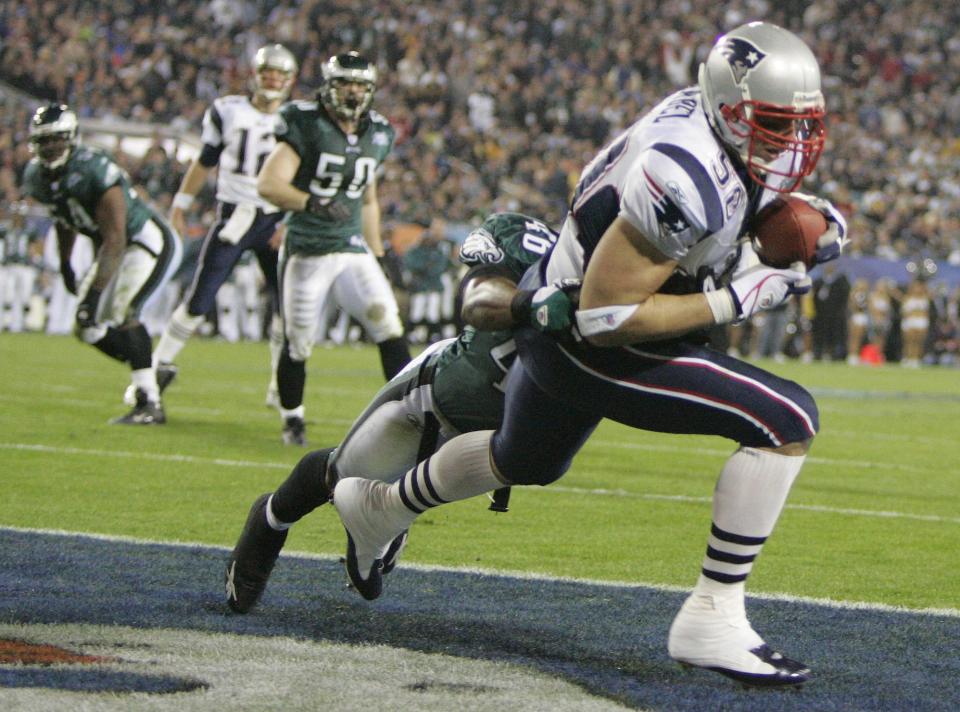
382, 322
299, 344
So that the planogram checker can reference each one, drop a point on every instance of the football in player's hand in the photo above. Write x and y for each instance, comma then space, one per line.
787, 230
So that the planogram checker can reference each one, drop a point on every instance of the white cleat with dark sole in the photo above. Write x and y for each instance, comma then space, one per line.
359, 502
713, 633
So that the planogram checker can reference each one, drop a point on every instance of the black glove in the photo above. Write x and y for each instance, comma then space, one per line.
69, 280
327, 210
548, 309
87, 310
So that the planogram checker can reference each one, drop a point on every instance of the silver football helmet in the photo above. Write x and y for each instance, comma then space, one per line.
274, 56
349, 82
761, 91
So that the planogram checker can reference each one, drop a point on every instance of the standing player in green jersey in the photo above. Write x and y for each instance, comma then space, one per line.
455, 386
136, 251
323, 169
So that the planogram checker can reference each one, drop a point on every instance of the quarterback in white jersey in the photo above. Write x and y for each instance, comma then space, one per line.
656, 234
238, 135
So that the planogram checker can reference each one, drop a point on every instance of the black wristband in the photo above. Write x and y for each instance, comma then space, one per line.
520, 306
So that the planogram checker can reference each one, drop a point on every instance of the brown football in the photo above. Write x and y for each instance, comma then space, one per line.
787, 230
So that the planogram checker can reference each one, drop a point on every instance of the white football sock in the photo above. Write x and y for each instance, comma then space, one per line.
747, 502
146, 380
272, 521
292, 413
459, 470
179, 329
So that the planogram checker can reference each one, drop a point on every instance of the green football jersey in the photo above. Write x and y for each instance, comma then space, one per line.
469, 373
73, 192
333, 165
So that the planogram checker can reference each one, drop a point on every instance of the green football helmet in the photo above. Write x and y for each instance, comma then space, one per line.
349, 82
53, 134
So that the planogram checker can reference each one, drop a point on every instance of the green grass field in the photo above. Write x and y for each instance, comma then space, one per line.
874, 516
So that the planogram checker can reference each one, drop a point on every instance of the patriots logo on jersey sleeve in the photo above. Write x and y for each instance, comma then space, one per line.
479, 246
742, 56
669, 217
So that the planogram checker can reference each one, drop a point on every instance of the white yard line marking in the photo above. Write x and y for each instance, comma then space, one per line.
523, 575
143, 456
223, 462
862, 464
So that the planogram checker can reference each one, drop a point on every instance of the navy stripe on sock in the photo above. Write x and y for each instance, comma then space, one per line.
429, 484
724, 578
415, 486
736, 538
729, 558
404, 498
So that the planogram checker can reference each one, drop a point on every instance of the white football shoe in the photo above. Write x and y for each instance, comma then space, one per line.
273, 398
359, 502
713, 633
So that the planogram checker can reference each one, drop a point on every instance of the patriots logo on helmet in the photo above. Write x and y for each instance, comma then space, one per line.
480, 247
743, 56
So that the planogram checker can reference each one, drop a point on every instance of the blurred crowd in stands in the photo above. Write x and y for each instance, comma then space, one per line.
498, 105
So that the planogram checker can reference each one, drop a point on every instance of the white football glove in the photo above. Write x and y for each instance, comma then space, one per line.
832, 241
756, 287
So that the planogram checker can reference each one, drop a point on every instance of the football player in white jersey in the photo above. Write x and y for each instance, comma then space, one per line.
656, 231
238, 135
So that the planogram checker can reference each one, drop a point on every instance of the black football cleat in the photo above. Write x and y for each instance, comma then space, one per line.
253, 558
144, 412
294, 431
166, 372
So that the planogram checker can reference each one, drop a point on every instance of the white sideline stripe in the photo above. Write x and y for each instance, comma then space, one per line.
222, 462
520, 575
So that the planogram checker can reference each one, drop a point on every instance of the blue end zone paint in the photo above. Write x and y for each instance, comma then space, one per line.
609, 640
93, 680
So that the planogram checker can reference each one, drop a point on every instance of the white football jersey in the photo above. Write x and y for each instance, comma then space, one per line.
671, 178
245, 137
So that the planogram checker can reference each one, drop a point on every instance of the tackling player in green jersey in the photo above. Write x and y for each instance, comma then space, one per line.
136, 251
324, 170
453, 387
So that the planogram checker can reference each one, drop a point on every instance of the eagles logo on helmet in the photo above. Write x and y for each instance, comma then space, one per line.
349, 81
53, 134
